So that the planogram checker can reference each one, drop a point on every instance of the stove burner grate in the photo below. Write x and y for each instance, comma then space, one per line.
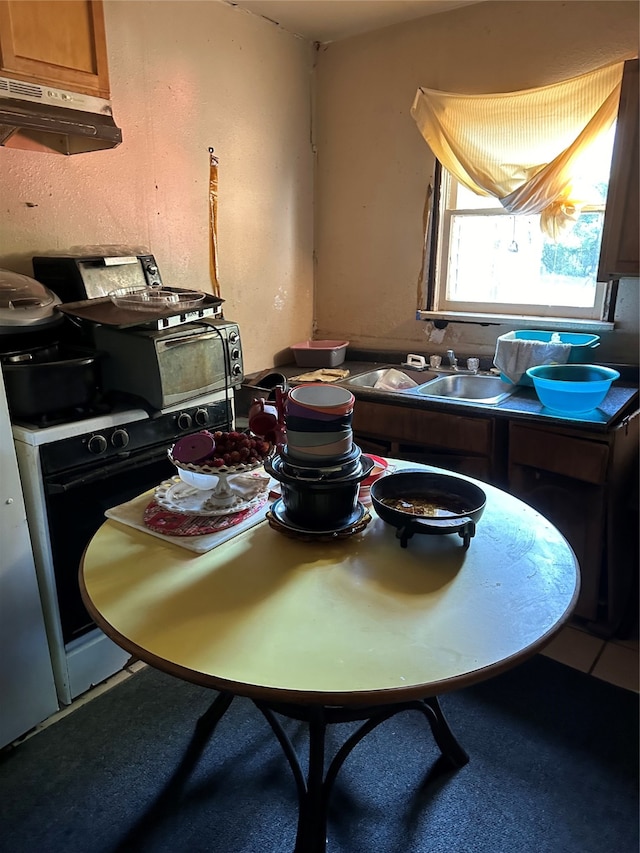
65, 416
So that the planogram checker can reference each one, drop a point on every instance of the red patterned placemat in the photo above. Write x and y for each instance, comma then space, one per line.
177, 524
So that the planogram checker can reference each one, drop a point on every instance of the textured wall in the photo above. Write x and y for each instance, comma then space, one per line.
186, 76
373, 166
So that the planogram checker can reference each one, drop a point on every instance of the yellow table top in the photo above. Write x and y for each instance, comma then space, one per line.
353, 621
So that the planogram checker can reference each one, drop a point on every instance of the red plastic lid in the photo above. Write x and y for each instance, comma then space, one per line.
194, 448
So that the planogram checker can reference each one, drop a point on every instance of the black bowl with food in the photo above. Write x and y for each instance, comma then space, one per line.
428, 502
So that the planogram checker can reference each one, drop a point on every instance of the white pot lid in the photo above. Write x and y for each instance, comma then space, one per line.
24, 301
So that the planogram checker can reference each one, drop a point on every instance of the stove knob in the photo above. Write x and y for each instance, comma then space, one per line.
185, 421
236, 370
120, 438
235, 354
201, 417
97, 444
233, 337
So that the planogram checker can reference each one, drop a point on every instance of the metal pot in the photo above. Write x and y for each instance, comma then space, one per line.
51, 380
335, 469
40, 352
320, 504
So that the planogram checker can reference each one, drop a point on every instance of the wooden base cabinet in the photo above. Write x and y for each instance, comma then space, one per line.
583, 483
458, 443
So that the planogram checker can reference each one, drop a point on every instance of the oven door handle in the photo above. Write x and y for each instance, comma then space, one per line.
178, 342
96, 474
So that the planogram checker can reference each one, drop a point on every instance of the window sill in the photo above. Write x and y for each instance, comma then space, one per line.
518, 320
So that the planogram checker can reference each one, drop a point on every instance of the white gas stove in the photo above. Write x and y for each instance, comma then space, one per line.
71, 473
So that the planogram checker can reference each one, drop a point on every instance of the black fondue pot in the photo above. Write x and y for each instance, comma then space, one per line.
428, 502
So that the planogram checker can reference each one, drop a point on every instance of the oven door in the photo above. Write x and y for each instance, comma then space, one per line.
192, 364
76, 503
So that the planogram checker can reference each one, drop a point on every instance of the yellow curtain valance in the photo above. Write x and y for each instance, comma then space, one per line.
522, 147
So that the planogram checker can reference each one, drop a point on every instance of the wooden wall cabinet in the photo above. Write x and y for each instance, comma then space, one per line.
59, 44
619, 255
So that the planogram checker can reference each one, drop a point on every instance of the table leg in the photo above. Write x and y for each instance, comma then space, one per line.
315, 791
442, 734
209, 720
204, 729
311, 836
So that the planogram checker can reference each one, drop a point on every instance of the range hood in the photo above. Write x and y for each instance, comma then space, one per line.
41, 118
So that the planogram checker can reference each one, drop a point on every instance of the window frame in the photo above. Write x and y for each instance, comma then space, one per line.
598, 318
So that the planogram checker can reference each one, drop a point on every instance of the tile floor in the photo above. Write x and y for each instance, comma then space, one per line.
616, 661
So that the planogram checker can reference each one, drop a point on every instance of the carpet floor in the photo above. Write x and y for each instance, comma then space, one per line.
553, 769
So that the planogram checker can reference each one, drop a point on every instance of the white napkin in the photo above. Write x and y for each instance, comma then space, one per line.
514, 357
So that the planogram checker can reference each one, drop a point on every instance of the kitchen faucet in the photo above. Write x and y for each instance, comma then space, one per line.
472, 364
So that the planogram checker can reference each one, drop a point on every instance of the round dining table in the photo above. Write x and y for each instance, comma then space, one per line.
330, 628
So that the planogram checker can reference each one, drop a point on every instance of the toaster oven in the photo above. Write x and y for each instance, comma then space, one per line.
76, 277
162, 357
170, 366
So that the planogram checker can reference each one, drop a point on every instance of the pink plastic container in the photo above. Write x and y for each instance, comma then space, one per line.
319, 353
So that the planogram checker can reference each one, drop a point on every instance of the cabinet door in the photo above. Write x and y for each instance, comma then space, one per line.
426, 428
619, 250
59, 43
453, 442
564, 479
576, 458
458, 463
577, 510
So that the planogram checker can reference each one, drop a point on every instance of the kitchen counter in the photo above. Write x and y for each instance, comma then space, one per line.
621, 400
578, 470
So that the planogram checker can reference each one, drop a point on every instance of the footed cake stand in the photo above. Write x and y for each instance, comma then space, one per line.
219, 494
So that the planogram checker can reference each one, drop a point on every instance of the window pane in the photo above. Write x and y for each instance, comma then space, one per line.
507, 259
494, 261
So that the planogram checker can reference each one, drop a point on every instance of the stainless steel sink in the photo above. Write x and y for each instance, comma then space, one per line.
369, 379
470, 388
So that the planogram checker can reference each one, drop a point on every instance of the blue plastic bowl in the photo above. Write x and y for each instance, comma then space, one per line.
572, 389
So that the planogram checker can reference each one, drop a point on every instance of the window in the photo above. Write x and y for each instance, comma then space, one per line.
515, 222
490, 261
